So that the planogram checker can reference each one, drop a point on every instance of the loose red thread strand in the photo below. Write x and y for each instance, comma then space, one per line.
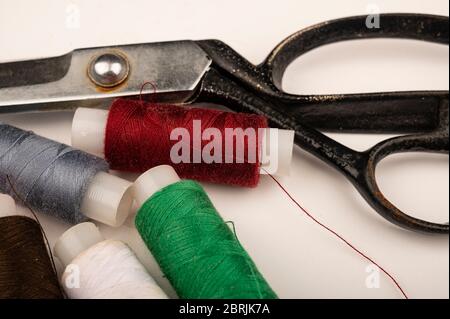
153, 85
340, 237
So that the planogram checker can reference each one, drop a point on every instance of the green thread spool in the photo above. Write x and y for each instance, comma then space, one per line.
194, 247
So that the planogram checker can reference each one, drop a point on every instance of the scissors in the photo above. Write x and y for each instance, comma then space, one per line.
211, 71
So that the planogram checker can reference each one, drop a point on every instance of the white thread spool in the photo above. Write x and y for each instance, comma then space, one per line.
89, 126
102, 269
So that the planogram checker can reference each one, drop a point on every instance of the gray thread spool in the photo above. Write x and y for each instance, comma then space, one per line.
51, 177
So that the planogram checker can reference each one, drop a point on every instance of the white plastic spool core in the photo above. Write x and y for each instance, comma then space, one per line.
7, 206
74, 241
276, 151
108, 199
88, 130
89, 126
152, 181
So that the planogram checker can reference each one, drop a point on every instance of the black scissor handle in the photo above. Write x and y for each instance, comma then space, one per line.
234, 82
435, 142
424, 111
358, 167
386, 112
430, 28
414, 111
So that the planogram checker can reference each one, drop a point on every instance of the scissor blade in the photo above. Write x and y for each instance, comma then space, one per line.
175, 68
34, 71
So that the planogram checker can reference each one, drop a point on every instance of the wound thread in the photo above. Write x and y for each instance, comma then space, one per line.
195, 248
26, 271
109, 270
49, 176
137, 138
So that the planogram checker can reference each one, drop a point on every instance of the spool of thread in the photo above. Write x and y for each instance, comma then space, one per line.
194, 247
135, 136
102, 269
26, 271
59, 180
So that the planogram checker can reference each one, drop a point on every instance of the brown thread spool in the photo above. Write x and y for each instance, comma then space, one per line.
26, 271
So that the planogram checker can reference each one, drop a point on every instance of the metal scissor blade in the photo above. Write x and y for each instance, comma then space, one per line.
175, 68
34, 71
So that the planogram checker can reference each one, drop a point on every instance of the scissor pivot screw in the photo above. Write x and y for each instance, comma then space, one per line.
108, 69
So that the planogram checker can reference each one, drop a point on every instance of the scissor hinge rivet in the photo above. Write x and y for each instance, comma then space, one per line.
108, 69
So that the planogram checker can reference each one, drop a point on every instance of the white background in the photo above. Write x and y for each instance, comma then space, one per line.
298, 258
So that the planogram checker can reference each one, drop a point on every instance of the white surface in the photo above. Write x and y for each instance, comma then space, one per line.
76, 240
298, 258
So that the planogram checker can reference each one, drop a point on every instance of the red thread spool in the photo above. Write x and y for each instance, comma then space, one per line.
137, 137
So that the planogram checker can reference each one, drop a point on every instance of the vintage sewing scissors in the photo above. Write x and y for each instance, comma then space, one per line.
210, 71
